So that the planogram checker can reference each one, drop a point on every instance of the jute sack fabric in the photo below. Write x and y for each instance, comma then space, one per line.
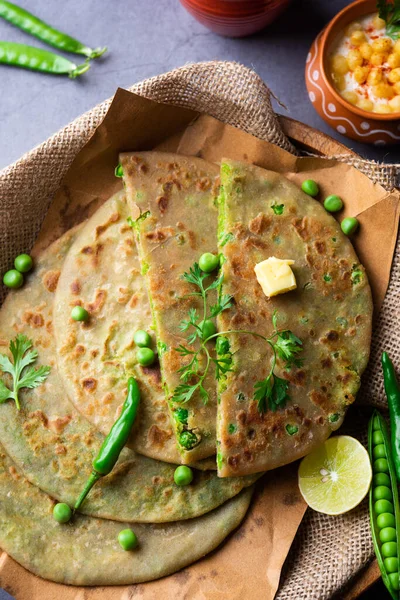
328, 551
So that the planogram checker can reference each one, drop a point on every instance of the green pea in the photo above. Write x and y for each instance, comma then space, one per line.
188, 439
381, 465
78, 313
207, 328
379, 451
391, 564
145, 356
310, 187
119, 171
62, 513
13, 279
291, 429
377, 437
389, 549
333, 417
208, 262
376, 426
181, 415
333, 203
382, 479
142, 339
127, 539
383, 506
386, 520
349, 225
23, 263
394, 581
382, 492
387, 534
183, 475
222, 346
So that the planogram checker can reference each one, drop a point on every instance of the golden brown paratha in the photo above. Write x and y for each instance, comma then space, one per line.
177, 198
262, 214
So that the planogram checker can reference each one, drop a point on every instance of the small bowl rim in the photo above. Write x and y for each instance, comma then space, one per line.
394, 116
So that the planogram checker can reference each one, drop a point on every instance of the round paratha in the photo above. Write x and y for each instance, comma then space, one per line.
263, 214
54, 445
86, 551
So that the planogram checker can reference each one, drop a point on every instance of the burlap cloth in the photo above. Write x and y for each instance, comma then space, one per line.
327, 551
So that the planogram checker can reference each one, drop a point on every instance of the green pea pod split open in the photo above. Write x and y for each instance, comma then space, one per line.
377, 436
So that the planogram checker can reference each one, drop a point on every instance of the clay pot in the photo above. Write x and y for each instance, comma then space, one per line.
235, 18
349, 120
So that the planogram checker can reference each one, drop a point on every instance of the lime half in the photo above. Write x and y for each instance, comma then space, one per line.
336, 476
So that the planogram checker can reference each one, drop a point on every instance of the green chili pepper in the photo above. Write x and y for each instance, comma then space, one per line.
30, 24
392, 390
28, 57
112, 446
384, 507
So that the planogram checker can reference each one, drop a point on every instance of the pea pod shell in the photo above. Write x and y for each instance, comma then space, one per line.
373, 516
36, 59
26, 21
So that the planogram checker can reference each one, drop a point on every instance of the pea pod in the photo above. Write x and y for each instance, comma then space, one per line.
29, 57
112, 446
384, 513
30, 24
392, 390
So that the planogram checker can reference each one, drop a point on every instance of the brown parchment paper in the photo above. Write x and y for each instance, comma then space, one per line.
248, 566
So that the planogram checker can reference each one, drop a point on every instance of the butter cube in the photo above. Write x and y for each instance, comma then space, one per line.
275, 276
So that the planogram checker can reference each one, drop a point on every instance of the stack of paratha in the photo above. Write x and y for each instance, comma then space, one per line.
127, 272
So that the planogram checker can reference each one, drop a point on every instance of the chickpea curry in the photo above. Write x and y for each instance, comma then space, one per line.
365, 66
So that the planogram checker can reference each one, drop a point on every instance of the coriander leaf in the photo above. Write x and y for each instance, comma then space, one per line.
184, 392
6, 365
216, 283
19, 346
262, 392
275, 319
287, 346
279, 392
190, 370
23, 356
5, 393
383, 9
223, 366
192, 338
193, 317
390, 12
195, 276
33, 377
203, 394
272, 391
224, 303
183, 351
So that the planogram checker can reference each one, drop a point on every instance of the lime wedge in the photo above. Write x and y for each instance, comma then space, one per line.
336, 476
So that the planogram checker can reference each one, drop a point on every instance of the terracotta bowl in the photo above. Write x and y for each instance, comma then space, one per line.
235, 18
349, 120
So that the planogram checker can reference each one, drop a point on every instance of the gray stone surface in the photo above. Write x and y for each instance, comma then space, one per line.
145, 38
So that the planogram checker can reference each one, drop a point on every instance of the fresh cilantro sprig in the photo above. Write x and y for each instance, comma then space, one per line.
390, 13
22, 374
271, 392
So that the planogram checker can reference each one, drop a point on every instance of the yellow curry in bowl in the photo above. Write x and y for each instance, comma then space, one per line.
365, 66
